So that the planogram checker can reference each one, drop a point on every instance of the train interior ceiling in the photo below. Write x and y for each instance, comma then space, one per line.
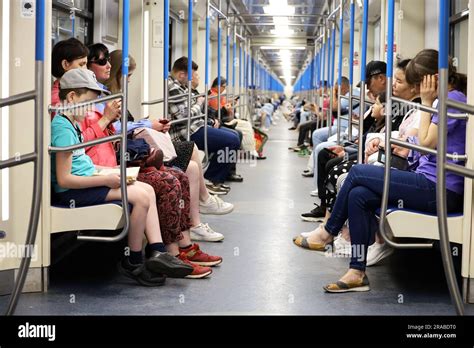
267, 49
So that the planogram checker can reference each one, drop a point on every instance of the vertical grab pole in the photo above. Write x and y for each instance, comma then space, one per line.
190, 64
388, 120
227, 60
329, 84
365, 22
124, 120
219, 62
322, 58
333, 63
341, 43
351, 68
318, 84
234, 61
443, 62
240, 69
166, 57
206, 80
38, 162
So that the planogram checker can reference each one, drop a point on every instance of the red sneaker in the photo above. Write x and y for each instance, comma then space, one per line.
195, 255
198, 271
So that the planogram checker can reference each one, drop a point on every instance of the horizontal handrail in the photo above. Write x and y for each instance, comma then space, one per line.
429, 109
13, 162
219, 12
179, 98
356, 97
85, 104
469, 173
333, 13
186, 119
110, 138
19, 98
460, 106
424, 149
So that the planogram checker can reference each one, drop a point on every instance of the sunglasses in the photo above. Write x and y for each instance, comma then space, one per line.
102, 61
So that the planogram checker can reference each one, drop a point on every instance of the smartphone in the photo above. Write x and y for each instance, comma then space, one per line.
164, 121
332, 153
397, 162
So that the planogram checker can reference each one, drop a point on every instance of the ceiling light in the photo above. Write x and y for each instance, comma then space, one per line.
282, 48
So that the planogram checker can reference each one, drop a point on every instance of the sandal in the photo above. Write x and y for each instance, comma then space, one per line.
340, 286
303, 243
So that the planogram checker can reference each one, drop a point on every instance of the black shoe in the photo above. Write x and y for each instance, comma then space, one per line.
235, 178
217, 189
140, 273
292, 128
315, 215
261, 157
167, 264
307, 174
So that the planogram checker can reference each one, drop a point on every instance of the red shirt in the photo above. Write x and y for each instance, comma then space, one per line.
103, 154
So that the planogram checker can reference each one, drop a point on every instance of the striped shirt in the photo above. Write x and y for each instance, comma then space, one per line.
178, 110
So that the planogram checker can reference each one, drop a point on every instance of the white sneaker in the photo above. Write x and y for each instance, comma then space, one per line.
215, 206
342, 246
377, 252
203, 232
314, 193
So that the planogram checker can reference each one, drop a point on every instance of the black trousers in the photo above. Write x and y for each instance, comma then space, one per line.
305, 129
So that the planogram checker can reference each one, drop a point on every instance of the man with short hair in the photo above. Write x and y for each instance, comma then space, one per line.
222, 143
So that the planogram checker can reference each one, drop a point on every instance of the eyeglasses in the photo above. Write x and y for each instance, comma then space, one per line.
102, 61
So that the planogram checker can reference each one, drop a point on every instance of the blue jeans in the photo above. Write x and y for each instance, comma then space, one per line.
223, 143
361, 195
321, 135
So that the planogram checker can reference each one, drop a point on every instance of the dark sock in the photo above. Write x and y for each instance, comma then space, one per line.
186, 247
154, 247
136, 257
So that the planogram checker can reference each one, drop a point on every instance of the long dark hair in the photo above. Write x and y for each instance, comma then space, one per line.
426, 63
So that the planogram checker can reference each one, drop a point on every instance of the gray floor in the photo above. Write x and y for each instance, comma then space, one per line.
263, 272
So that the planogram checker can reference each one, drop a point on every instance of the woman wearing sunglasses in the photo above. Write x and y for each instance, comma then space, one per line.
98, 61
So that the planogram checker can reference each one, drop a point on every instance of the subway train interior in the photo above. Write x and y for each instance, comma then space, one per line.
228, 157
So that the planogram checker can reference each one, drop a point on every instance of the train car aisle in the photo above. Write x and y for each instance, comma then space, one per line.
262, 273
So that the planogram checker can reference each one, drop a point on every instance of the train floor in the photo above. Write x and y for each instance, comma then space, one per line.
263, 272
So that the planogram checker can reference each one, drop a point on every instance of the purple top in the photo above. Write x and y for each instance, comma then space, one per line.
456, 145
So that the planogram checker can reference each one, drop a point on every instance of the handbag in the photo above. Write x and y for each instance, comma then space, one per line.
157, 140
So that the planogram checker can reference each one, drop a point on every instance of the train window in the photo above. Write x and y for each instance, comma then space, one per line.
459, 33
72, 18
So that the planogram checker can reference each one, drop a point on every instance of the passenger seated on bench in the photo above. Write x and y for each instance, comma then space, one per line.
360, 195
246, 132
68, 54
408, 128
223, 143
182, 223
265, 115
73, 181
171, 187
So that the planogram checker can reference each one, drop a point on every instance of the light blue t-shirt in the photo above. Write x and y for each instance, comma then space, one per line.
63, 133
